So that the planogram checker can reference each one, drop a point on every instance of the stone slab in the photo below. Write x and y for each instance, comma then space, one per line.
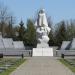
8, 43
1, 44
42, 52
64, 45
19, 45
72, 47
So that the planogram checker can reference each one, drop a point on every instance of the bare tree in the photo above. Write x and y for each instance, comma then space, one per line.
5, 19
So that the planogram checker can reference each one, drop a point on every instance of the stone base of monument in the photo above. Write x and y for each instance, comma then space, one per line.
44, 45
42, 52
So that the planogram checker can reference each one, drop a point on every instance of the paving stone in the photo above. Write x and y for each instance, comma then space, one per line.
42, 66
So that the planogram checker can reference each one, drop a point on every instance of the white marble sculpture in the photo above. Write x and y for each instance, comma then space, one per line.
42, 29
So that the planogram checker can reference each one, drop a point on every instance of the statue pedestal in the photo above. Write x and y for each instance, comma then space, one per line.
42, 52
42, 45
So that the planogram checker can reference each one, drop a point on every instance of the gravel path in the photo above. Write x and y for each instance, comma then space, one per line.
42, 66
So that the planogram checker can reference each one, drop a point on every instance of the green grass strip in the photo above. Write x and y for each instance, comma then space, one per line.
66, 63
12, 68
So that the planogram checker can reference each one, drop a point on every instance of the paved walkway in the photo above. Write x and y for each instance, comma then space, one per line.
42, 66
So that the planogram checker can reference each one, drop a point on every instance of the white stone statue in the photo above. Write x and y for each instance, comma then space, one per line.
42, 29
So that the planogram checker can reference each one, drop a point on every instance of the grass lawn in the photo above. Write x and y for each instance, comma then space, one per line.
17, 63
70, 63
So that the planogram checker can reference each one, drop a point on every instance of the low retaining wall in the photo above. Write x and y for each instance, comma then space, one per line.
16, 52
65, 52
29, 53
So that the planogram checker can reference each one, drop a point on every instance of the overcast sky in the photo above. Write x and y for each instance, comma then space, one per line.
57, 9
